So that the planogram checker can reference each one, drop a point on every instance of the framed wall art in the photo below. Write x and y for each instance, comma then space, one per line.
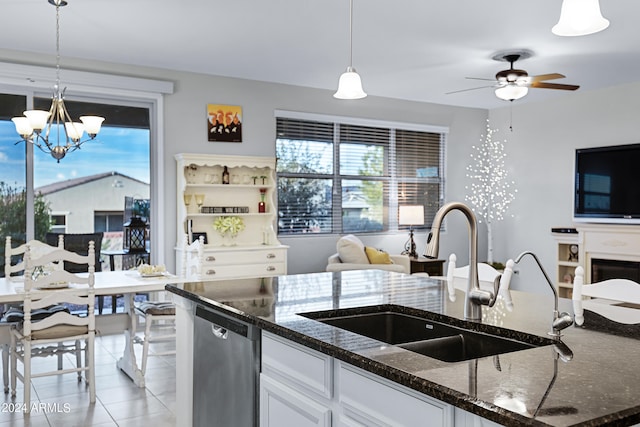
224, 123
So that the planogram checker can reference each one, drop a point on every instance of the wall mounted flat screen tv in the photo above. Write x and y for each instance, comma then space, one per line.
607, 184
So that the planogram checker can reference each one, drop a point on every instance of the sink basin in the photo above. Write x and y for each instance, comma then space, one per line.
428, 337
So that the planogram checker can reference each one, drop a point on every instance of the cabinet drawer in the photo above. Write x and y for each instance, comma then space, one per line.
244, 270
296, 365
243, 257
365, 398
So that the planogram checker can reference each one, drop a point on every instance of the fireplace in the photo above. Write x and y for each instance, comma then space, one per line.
603, 269
609, 252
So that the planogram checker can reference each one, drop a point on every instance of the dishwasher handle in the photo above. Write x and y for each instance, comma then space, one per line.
219, 332
221, 324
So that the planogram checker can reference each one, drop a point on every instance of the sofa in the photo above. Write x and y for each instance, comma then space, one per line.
352, 254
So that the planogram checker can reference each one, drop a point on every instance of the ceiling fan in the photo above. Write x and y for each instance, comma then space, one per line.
514, 84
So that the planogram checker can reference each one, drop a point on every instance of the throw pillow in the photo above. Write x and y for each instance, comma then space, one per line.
377, 256
351, 250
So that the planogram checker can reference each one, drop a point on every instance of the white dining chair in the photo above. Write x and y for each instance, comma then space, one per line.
159, 316
44, 332
486, 275
13, 271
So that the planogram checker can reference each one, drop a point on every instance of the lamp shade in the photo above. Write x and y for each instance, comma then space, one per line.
350, 85
23, 127
37, 118
411, 215
579, 18
74, 130
511, 92
92, 124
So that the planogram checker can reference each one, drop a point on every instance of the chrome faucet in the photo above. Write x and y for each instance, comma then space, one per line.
475, 297
560, 320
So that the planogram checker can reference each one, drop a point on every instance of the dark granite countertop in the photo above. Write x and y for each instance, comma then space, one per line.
598, 386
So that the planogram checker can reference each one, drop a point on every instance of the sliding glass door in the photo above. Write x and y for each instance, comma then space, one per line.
86, 191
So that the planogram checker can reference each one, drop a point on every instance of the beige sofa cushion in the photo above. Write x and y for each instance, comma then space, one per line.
351, 250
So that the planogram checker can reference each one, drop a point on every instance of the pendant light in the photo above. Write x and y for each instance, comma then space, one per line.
580, 18
350, 85
31, 126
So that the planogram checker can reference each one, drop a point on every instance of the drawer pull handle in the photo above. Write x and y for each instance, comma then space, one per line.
211, 272
271, 268
271, 256
211, 258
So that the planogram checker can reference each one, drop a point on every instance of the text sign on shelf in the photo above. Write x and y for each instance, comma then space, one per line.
224, 209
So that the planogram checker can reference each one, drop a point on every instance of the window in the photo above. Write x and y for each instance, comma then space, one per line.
107, 221
58, 222
86, 190
342, 176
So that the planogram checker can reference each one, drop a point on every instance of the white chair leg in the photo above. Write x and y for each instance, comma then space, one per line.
14, 365
91, 374
145, 345
79, 358
5, 367
26, 374
60, 357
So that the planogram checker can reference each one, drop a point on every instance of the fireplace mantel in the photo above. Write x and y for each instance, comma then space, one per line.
612, 242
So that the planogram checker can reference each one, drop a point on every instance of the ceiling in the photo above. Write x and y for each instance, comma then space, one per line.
408, 49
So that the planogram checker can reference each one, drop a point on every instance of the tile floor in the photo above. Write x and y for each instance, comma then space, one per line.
63, 401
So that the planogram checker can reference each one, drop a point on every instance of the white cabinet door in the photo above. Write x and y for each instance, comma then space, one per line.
281, 406
366, 399
467, 419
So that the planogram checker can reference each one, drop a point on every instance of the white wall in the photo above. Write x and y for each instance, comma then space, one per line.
541, 152
185, 131
259, 100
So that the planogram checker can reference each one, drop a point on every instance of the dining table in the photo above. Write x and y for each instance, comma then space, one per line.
123, 282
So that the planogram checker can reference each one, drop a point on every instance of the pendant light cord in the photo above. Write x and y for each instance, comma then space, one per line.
350, 33
57, 48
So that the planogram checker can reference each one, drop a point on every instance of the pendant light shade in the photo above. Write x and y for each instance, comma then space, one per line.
350, 84
511, 92
579, 18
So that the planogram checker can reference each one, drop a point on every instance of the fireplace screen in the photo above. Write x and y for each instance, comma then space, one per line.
603, 269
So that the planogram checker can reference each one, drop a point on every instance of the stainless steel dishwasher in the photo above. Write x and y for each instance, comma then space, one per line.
226, 365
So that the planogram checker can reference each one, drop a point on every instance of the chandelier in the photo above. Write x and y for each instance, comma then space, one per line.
53, 131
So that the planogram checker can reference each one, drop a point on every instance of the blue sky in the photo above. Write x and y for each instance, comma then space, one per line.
123, 150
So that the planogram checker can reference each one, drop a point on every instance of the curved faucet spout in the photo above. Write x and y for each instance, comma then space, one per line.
475, 297
560, 320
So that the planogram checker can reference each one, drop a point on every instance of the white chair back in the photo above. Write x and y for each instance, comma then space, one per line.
38, 249
192, 257
52, 275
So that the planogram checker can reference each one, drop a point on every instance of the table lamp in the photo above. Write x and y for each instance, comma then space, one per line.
411, 215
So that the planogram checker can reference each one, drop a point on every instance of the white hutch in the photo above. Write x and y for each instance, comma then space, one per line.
202, 198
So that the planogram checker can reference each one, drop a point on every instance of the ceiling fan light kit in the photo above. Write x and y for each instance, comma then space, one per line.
350, 84
511, 92
580, 18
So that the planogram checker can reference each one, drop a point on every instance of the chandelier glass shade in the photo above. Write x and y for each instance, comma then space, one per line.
53, 131
350, 84
580, 18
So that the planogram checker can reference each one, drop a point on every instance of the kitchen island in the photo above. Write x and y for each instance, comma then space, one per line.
591, 381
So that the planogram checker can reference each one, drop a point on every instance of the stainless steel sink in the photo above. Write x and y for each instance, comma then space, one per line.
431, 338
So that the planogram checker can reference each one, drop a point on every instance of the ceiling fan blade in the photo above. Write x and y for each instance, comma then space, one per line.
542, 85
542, 77
466, 90
480, 78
